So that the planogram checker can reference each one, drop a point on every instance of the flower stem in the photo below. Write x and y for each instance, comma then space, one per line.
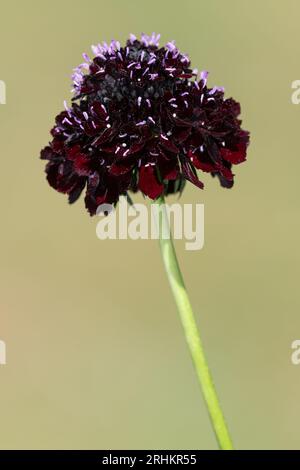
190, 329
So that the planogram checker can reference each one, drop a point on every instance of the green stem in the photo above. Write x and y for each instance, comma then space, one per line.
190, 329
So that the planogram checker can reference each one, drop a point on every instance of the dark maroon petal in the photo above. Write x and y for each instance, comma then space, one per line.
171, 174
148, 182
105, 136
82, 165
182, 134
57, 145
189, 174
93, 202
52, 174
60, 178
75, 193
232, 106
234, 156
201, 162
167, 144
122, 166
226, 172
169, 168
73, 152
136, 147
47, 153
225, 183
213, 150
99, 110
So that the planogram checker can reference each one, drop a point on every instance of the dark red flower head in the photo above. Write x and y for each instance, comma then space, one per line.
142, 120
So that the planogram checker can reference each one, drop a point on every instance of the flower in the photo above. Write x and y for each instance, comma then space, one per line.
141, 120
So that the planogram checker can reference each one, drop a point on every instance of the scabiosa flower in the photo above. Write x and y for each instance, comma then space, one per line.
142, 120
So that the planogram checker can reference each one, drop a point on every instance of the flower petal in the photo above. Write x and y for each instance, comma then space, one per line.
234, 156
148, 182
189, 174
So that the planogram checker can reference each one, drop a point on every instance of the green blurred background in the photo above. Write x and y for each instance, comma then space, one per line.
95, 352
